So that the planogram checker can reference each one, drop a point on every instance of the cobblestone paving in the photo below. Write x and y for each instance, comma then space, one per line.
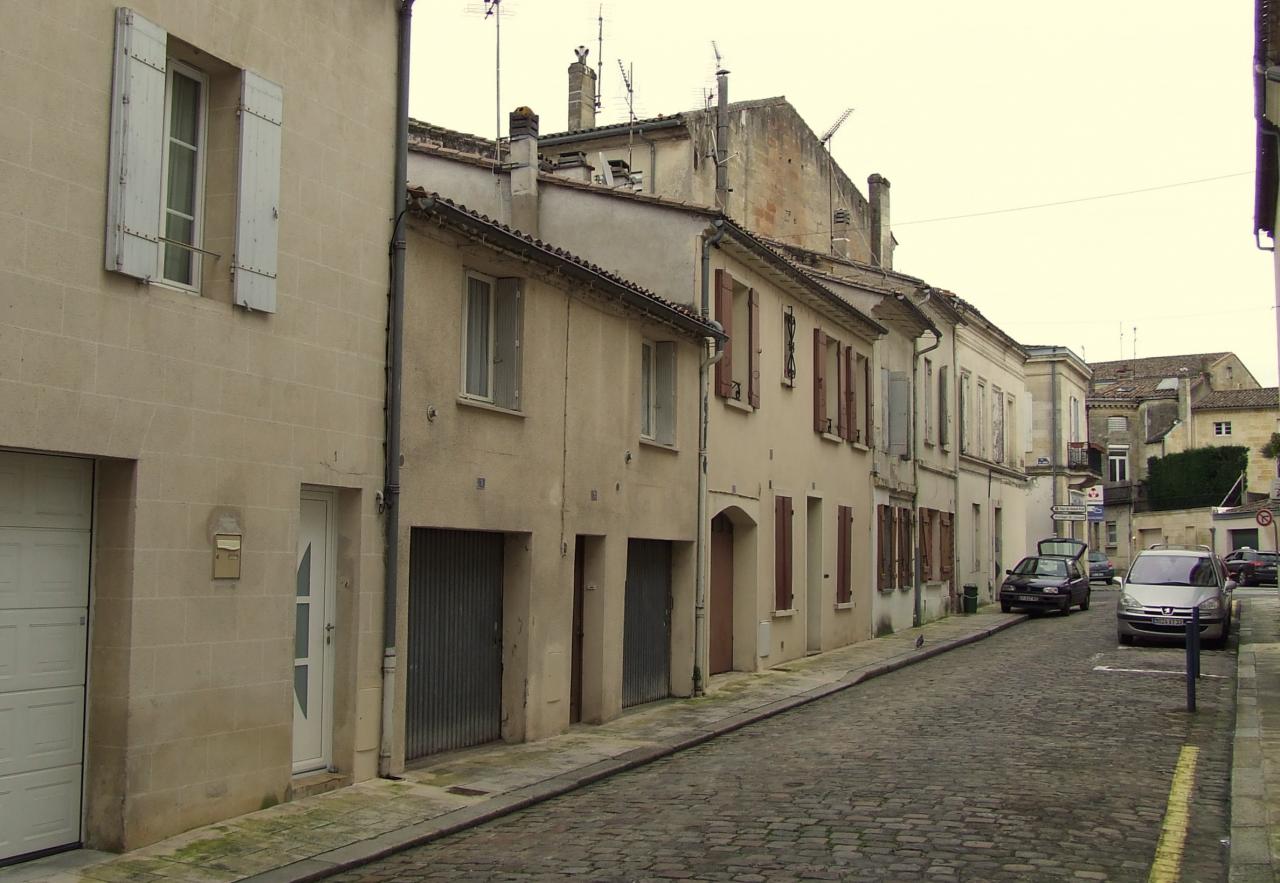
1011, 759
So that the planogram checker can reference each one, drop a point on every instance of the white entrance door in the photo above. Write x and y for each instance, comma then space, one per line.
314, 632
46, 513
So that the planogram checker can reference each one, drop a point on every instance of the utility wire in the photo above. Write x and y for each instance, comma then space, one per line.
1024, 208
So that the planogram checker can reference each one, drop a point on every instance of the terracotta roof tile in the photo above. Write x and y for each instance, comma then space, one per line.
1219, 399
1154, 366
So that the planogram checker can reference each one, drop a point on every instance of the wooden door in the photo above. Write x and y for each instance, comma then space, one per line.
575, 674
721, 649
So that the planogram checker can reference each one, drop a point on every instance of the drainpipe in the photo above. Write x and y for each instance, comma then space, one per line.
917, 613
700, 660
395, 350
1055, 436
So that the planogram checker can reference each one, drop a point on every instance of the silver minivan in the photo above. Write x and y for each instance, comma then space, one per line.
1164, 584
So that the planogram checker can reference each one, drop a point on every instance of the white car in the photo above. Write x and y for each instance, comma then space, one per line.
1164, 584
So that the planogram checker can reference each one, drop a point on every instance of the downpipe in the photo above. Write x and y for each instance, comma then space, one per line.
390, 502
700, 657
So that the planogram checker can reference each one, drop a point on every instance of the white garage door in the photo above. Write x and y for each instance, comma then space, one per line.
45, 519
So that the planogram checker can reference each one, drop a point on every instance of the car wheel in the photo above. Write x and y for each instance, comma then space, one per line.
1006, 607
1066, 608
1125, 639
1084, 605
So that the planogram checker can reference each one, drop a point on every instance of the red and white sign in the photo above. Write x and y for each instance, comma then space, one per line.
1263, 517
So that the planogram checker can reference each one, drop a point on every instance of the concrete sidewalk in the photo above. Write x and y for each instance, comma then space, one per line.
311, 838
1255, 757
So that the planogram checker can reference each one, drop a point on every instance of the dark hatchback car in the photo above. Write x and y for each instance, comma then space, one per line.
1251, 568
1052, 580
1101, 570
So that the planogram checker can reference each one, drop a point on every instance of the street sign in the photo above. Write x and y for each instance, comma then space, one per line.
1264, 517
1068, 516
1068, 510
1094, 495
1095, 512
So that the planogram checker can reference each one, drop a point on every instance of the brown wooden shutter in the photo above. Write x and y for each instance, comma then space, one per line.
866, 393
782, 553
842, 392
926, 544
724, 315
753, 341
844, 531
880, 553
947, 552
906, 564
819, 380
851, 393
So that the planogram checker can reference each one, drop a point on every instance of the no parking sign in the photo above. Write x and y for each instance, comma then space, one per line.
1264, 517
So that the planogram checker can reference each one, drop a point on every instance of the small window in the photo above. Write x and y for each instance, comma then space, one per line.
738, 312
1117, 424
1118, 464
491, 340
944, 406
657, 391
1111, 533
182, 178
981, 422
997, 425
1222, 428
782, 553
926, 402
789, 369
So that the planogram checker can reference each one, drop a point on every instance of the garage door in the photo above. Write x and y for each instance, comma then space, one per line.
45, 518
646, 623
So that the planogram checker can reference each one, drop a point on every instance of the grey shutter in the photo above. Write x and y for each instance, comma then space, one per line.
506, 343
899, 412
137, 146
258, 193
665, 394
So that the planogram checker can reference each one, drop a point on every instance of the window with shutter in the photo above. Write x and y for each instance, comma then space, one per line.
820, 422
789, 346
664, 403
926, 544
906, 551
944, 406
1117, 424
840, 392
844, 545
491, 344
648, 384
724, 315
868, 403
997, 425
926, 402
753, 343
782, 553
258, 193
851, 394
946, 552
899, 414
884, 548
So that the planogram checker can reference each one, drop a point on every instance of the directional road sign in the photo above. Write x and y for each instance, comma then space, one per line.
1069, 516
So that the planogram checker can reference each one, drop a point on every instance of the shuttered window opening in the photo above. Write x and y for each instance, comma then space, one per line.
906, 562
646, 640
454, 679
946, 543
783, 597
155, 175
492, 325
885, 530
927, 558
899, 399
820, 421
738, 312
926, 402
944, 406
658, 391
866, 418
1117, 424
844, 554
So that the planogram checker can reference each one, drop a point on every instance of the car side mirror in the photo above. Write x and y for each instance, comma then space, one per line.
1230, 586
1008, 573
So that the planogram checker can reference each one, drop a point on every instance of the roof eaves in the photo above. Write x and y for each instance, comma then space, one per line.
475, 225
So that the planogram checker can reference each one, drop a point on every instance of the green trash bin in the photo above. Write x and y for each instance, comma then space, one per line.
970, 599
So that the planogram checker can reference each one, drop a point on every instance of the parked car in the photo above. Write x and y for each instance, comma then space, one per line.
1100, 567
1164, 584
1051, 580
1251, 568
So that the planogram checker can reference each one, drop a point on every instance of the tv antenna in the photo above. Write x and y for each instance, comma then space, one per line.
628, 81
830, 133
825, 140
495, 9
599, 56
716, 50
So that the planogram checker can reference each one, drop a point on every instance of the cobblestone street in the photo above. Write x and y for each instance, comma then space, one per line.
1044, 752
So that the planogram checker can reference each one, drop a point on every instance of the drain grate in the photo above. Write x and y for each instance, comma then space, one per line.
466, 792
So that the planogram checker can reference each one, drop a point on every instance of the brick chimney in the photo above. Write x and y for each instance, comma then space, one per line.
582, 93
881, 236
524, 170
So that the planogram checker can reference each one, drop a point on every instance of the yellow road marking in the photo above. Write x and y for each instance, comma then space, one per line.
1168, 861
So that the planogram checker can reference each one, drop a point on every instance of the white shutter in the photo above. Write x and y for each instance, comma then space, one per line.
899, 412
258, 193
507, 322
137, 146
665, 394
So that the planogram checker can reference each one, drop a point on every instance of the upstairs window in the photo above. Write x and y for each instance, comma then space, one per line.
1222, 428
944, 406
997, 425
162, 122
491, 340
782, 553
926, 402
658, 391
1117, 424
738, 312
1118, 464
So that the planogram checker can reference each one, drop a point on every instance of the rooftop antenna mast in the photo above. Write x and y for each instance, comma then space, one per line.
628, 82
494, 8
825, 140
599, 56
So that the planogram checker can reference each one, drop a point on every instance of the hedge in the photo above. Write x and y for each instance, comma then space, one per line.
1195, 478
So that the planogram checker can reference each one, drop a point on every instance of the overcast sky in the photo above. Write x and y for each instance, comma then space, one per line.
966, 108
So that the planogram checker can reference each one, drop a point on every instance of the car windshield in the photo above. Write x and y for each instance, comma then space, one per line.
1173, 570
1041, 567
1098, 557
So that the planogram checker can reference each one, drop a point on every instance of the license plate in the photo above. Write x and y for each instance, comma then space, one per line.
1028, 598
1166, 620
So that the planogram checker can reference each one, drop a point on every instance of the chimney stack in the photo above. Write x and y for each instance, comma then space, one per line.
722, 140
881, 236
840, 233
524, 170
1184, 408
582, 93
